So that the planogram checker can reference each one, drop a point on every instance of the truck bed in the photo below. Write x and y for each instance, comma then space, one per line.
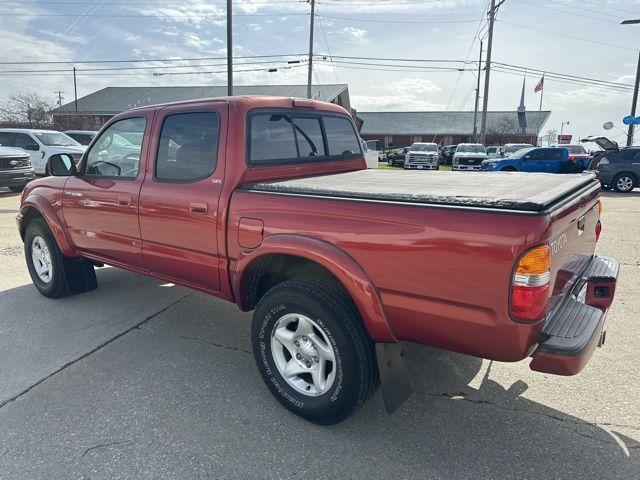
525, 192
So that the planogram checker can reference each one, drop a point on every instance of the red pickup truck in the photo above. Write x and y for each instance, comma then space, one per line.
266, 202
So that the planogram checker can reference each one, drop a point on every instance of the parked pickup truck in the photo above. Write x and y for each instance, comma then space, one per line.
266, 202
536, 159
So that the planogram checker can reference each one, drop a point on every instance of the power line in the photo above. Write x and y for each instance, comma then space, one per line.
567, 36
370, 20
548, 7
154, 67
144, 15
143, 60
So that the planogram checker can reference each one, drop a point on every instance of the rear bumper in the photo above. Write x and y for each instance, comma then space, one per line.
16, 177
576, 326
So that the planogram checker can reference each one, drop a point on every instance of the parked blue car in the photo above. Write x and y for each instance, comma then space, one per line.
536, 159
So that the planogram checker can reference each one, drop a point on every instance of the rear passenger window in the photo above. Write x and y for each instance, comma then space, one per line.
272, 138
341, 137
188, 147
309, 135
282, 137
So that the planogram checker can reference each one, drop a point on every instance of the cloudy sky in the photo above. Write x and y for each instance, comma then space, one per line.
573, 37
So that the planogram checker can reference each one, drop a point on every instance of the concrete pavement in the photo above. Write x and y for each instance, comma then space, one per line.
142, 379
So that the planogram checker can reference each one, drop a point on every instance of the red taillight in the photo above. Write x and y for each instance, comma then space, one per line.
529, 303
530, 285
598, 230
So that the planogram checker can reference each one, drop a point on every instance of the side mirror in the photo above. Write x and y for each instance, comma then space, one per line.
32, 147
60, 165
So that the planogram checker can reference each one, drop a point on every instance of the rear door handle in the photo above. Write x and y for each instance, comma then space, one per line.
124, 200
198, 207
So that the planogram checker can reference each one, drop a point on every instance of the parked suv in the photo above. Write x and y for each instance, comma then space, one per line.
15, 168
616, 168
619, 170
41, 144
446, 154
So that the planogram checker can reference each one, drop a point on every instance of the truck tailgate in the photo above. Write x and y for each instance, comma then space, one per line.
572, 238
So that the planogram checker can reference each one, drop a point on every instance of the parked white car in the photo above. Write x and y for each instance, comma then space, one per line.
370, 156
494, 152
41, 144
469, 156
422, 156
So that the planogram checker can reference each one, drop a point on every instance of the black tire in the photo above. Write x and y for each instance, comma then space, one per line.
58, 286
17, 188
624, 182
333, 312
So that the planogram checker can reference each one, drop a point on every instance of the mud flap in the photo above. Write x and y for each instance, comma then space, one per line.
81, 276
394, 376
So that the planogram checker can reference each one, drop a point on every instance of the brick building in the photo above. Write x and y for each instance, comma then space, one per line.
450, 128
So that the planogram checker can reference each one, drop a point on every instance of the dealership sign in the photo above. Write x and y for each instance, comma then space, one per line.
564, 139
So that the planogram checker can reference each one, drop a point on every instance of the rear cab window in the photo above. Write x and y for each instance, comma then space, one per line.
292, 136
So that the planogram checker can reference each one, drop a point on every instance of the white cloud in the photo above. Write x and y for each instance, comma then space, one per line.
365, 103
356, 35
409, 86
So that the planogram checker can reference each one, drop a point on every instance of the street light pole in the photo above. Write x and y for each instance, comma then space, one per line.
635, 89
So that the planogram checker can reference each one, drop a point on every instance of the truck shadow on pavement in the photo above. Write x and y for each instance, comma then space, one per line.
184, 396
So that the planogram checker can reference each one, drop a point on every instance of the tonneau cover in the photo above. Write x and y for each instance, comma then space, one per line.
530, 192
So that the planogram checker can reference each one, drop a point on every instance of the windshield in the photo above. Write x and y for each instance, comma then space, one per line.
516, 147
470, 149
56, 139
575, 149
424, 147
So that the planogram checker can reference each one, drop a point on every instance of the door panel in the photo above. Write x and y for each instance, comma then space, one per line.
100, 205
179, 198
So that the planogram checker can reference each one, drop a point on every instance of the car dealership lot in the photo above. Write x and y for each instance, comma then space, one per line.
143, 379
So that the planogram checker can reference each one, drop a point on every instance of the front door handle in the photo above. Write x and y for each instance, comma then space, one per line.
124, 200
198, 207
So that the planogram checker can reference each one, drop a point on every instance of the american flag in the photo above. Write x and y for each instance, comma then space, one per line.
540, 85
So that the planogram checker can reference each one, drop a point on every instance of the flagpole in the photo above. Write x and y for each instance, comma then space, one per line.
542, 92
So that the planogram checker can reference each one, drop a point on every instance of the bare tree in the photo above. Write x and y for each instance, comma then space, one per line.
551, 136
26, 109
503, 132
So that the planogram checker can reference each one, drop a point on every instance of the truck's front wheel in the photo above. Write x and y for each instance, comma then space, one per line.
312, 350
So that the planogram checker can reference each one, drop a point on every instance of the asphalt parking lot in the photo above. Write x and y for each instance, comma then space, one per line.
142, 379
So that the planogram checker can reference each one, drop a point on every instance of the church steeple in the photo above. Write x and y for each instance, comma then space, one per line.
521, 108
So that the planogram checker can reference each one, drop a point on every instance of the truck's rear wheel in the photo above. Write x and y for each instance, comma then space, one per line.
312, 350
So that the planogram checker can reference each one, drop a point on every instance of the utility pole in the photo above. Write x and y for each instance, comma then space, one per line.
60, 92
633, 105
229, 49
313, 4
475, 111
487, 70
75, 88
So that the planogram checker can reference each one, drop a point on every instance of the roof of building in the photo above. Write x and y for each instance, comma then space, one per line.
450, 123
113, 100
